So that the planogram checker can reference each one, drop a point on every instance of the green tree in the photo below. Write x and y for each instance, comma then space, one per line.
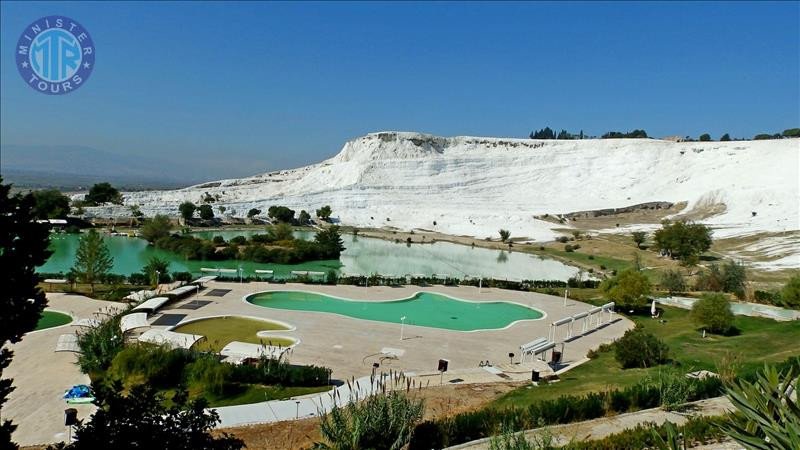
628, 289
156, 228
23, 247
280, 232
682, 240
50, 204
141, 420
734, 279
187, 210
325, 212
767, 413
92, 259
253, 212
713, 313
330, 240
638, 348
791, 132
136, 211
725, 137
304, 217
156, 270
206, 212
673, 281
639, 237
103, 193
380, 422
790, 294
504, 235
281, 214
705, 137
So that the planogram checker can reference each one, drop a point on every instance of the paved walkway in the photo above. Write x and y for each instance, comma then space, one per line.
600, 428
41, 376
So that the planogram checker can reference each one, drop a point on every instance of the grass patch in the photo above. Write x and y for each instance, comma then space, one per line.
52, 319
220, 331
760, 341
254, 393
582, 258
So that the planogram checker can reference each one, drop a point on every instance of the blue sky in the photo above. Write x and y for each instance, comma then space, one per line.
240, 88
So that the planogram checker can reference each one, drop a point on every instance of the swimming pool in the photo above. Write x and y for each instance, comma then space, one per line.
425, 309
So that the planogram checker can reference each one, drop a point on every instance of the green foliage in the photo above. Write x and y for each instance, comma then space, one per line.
509, 440
99, 345
157, 365
103, 193
156, 270
156, 228
206, 212
50, 204
330, 241
673, 281
468, 426
729, 277
325, 212
765, 136
705, 137
628, 289
767, 415
214, 375
23, 247
619, 135
683, 240
187, 210
92, 259
639, 237
253, 212
331, 277
141, 420
725, 137
790, 294
380, 422
791, 132
504, 235
713, 313
652, 436
280, 232
304, 217
281, 214
544, 133
638, 348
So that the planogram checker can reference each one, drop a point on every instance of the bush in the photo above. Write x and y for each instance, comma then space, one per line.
155, 365
673, 281
156, 228
562, 239
213, 375
638, 348
790, 294
713, 313
99, 345
569, 249
628, 289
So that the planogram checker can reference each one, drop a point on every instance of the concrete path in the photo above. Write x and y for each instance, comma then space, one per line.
41, 375
605, 426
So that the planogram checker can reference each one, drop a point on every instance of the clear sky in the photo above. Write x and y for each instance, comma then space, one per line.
241, 88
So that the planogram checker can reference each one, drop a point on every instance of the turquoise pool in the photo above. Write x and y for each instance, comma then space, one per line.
425, 309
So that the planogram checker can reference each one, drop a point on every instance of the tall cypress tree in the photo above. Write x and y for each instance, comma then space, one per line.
92, 260
23, 247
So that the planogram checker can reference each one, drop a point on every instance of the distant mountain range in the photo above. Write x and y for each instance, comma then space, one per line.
76, 167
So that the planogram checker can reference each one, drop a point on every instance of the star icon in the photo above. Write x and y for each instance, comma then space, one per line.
86, 65
24, 64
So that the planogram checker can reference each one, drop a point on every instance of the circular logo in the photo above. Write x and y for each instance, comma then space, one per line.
55, 55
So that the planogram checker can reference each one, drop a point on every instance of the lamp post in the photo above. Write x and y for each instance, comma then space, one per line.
240, 273
158, 278
565, 297
402, 325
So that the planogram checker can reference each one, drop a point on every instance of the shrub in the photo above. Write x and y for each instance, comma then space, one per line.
219, 240
569, 249
99, 345
638, 348
238, 240
790, 294
182, 276
384, 421
713, 313
213, 375
155, 365
156, 228
504, 235
673, 281
562, 239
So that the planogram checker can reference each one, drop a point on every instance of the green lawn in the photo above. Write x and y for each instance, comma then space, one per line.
610, 263
52, 319
759, 341
219, 331
254, 393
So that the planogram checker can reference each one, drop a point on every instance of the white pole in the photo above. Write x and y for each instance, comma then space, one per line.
565, 298
402, 325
